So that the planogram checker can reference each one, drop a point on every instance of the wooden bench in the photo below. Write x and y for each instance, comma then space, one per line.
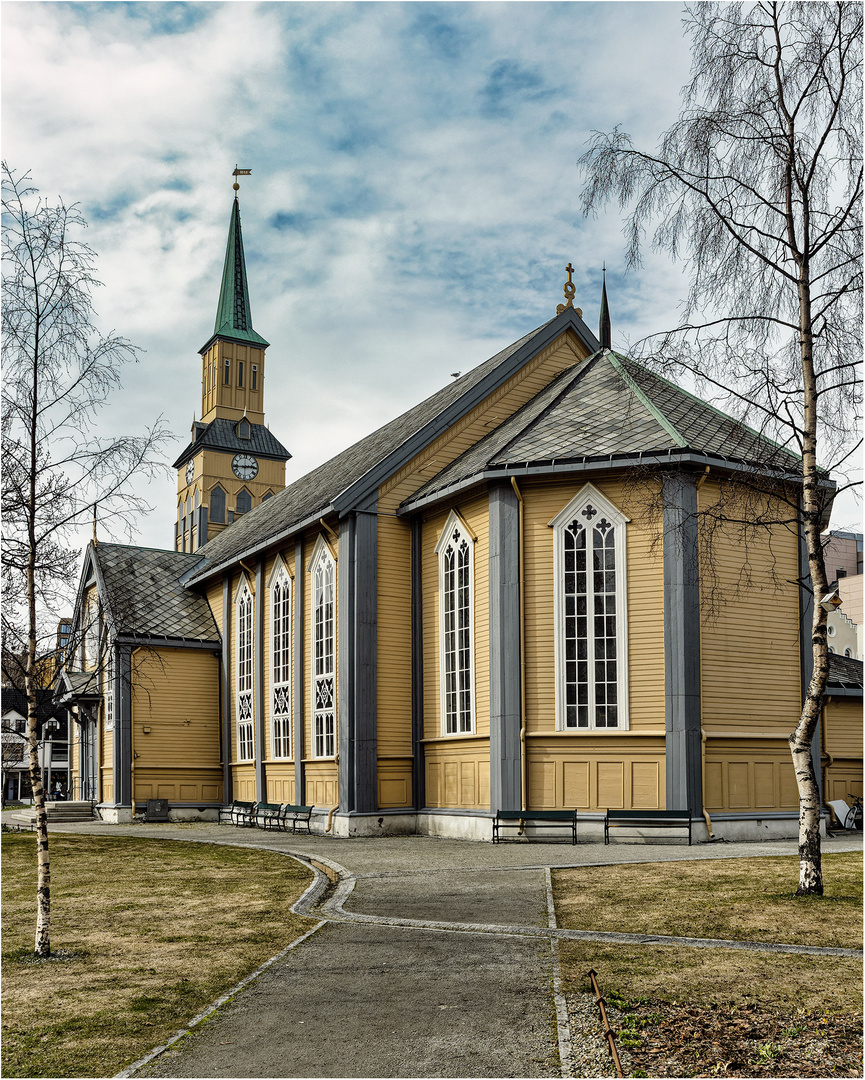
295, 815
239, 813
267, 815
553, 819
647, 819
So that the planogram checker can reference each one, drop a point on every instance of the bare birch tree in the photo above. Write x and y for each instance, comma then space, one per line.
757, 187
58, 474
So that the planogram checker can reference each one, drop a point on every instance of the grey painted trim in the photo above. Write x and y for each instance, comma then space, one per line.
123, 792
591, 464
357, 616
364, 487
258, 650
202, 526
504, 642
806, 653
298, 711
169, 643
682, 644
844, 691
225, 683
418, 760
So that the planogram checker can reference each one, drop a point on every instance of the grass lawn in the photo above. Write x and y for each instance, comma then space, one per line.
148, 933
699, 997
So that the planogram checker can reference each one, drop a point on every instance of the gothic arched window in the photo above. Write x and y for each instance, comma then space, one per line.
244, 501
323, 571
244, 661
280, 654
456, 627
217, 505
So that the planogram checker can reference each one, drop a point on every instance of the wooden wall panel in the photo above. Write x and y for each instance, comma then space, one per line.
749, 775
596, 772
458, 774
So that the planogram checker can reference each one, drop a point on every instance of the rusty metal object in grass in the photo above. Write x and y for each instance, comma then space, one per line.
608, 1031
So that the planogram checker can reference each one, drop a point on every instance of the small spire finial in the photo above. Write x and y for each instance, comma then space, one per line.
569, 290
239, 172
605, 330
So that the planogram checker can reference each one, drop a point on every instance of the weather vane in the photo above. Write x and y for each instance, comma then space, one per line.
570, 290
239, 172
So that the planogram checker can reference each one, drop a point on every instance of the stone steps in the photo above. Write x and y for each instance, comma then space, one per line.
80, 810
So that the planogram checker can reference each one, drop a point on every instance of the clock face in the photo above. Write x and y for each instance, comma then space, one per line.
244, 466
190, 471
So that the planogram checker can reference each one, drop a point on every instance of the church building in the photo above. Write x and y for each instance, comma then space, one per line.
494, 601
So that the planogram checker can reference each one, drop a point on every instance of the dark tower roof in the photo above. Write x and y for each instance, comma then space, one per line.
233, 313
605, 331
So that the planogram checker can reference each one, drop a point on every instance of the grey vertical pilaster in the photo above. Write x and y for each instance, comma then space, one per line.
227, 742
806, 650
418, 762
258, 651
299, 710
357, 576
122, 690
505, 792
682, 644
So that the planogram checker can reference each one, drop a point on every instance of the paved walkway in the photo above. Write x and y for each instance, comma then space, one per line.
431, 958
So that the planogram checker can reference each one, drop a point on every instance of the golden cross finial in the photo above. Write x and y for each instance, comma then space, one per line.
239, 172
569, 290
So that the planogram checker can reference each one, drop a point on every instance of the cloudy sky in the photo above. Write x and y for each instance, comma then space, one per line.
413, 198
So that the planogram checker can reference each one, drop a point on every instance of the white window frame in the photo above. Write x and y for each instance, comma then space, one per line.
591, 508
281, 589
91, 633
244, 667
455, 719
323, 674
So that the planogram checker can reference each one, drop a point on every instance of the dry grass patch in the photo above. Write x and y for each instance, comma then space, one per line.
153, 930
747, 899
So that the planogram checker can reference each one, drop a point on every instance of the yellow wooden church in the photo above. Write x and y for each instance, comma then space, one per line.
495, 601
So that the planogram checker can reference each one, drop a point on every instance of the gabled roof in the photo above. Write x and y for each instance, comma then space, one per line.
606, 407
350, 477
142, 591
233, 313
845, 673
77, 686
221, 434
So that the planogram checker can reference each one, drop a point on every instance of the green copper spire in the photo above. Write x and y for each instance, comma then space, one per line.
605, 330
233, 314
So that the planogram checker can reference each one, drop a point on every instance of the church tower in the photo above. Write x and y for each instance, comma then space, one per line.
233, 462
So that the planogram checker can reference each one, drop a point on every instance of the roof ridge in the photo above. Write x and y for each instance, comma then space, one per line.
713, 408
616, 362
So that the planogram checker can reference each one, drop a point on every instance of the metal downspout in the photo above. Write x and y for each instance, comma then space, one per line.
524, 786
703, 781
132, 732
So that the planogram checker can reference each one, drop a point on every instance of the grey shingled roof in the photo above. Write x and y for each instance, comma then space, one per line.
603, 407
222, 434
145, 597
844, 672
313, 494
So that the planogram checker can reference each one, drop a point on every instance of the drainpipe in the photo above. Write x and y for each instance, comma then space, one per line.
824, 753
703, 774
132, 731
524, 792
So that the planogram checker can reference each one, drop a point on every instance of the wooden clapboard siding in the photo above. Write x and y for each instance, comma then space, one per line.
214, 600
175, 693
394, 649
750, 675
542, 501
596, 771
842, 723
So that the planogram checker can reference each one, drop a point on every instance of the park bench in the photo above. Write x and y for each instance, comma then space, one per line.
552, 819
239, 813
647, 819
295, 815
267, 815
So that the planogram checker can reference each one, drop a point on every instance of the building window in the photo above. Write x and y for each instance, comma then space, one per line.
280, 652
108, 696
456, 627
245, 742
217, 505
226, 377
267, 495
254, 377
91, 633
323, 571
244, 429
848, 653
244, 501
240, 373
590, 614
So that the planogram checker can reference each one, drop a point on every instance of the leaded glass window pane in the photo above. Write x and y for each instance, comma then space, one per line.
324, 683
280, 714
456, 636
244, 659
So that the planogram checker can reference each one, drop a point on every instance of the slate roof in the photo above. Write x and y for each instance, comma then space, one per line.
844, 672
72, 686
312, 495
221, 434
604, 407
144, 595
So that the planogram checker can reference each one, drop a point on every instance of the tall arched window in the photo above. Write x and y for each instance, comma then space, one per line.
243, 661
323, 570
590, 614
217, 505
456, 627
243, 502
280, 655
